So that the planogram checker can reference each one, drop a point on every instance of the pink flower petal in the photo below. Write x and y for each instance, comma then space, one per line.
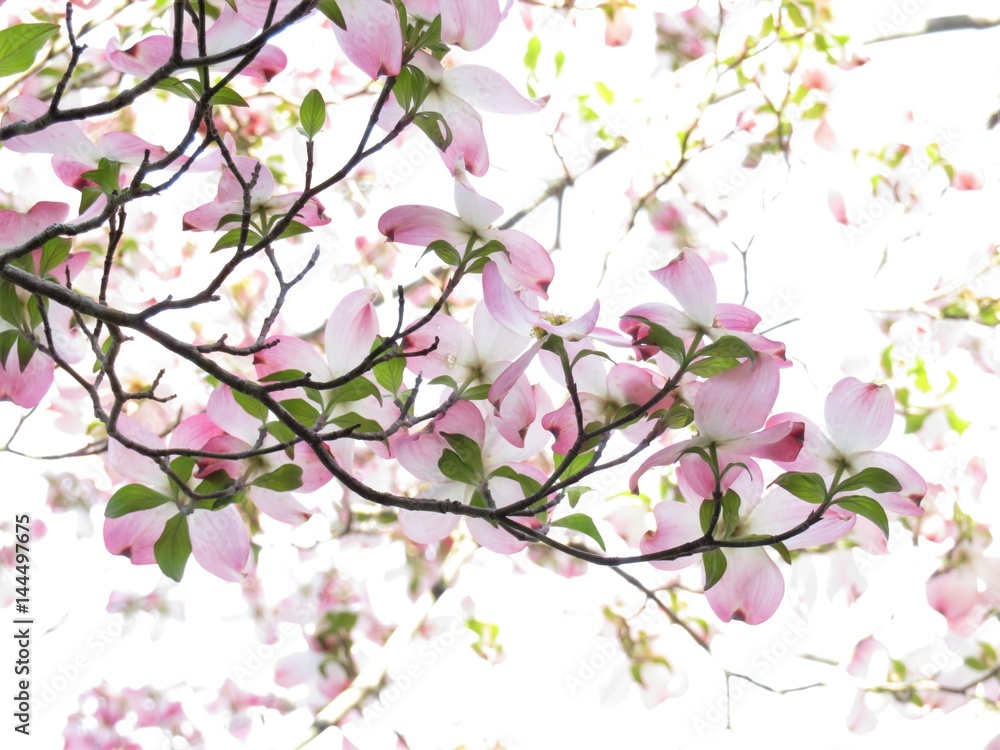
373, 40
505, 306
469, 23
58, 138
220, 542
134, 534
751, 588
859, 415
422, 225
134, 465
689, 279
17, 228
224, 410
736, 402
290, 353
426, 528
488, 91
351, 331
27, 388
281, 506
676, 524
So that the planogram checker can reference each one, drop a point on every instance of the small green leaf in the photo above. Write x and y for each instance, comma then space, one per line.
20, 43
10, 305
178, 88
661, 338
455, 469
872, 478
782, 550
312, 114
183, 467
434, 127
232, 239
54, 252
25, 351
476, 392
531, 56
731, 511
356, 390
577, 465
584, 524
250, 405
304, 412
229, 97
389, 374
445, 251
575, 493
283, 479
173, 547
867, 507
710, 366
469, 452
705, 513
107, 176
809, 487
330, 9
353, 419
132, 498
529, 486
715, 567
729, 346
283, 375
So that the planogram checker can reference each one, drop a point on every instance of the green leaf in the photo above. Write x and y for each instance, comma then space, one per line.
455, 469
132, 498
809, 487
705, 513
795, 14
178, 88
25, 351
54, 252
715, 567
706, 368
330, 9
228, 97
10, 305
867, 507
312, 114
389, 374
660, 337
584, 524
214, 482
250, 405
872, 478
355, 390
7, 341
434, 127
469, 452
956, 423
282, 479
173, 547
232, 239
575, 493
107, 176
353, 419
20, 43
782, 550
578, 464
529, 486
445, 251
731, 511
445, 380
731, 347
476, 392
677, 416
302, 410
183, 467
282, 375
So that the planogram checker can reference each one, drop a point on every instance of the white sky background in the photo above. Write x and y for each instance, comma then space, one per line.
548, 624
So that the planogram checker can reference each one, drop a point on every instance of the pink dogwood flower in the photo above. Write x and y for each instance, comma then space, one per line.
858, 418
729, 409
421, 453
228, 31
525, 265
470, 24
456, 94
689, 279
263, 203
220, 541
512, 312
752, 586
26, 383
